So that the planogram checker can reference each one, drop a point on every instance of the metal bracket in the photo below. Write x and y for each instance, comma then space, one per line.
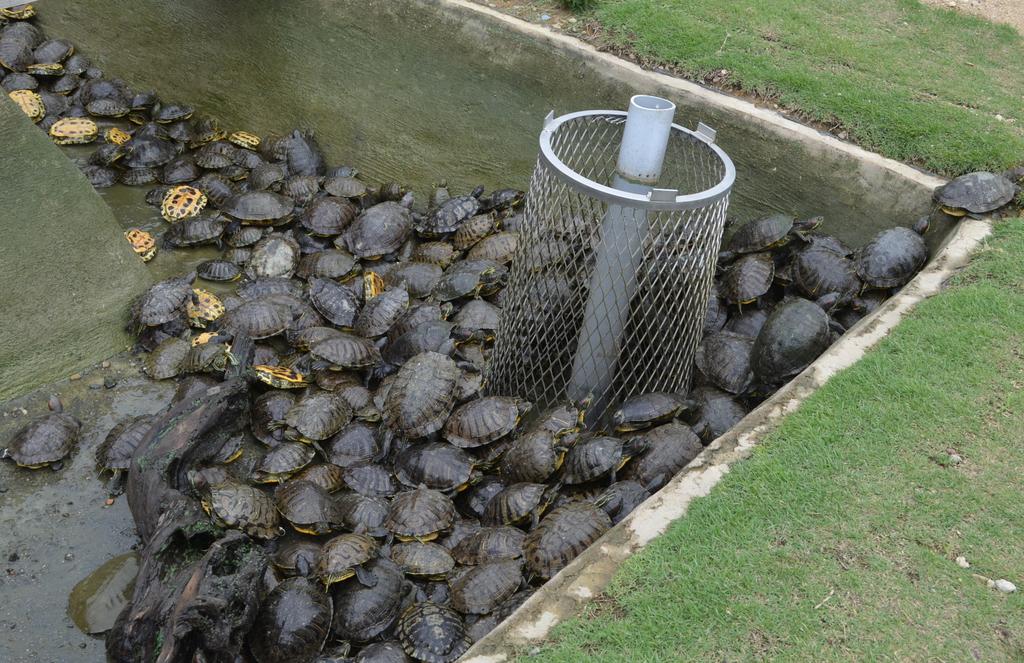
664, 195
706, 132
549, 118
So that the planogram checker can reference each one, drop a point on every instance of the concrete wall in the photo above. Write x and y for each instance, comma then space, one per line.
66, 273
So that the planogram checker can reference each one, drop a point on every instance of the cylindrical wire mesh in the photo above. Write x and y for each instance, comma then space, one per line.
669, 264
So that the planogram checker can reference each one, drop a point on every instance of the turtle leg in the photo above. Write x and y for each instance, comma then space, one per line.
58, 466
365, 577
115, 487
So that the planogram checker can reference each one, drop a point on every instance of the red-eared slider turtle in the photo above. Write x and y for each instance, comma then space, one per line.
163, 302
533, 457
484, 420
423, 560
296, 558
218, 189
115, 452
105, 98
15, 54
259, 208
47, 440
208, 358
238, 236
196, 231
242, 507
419, 515
328, 217
468, 278
267, 177
19, 81
204, 308
106, 155
329, 264
422, 395
370, 479
563, 419
490, 544
472, 231
380, 230
345, 351
502, 200
165, 113
563, 534
100, 177
436, 465
257, 319
432, 633
427, 337
358, 442
276, 255
891, 258
310, 336
362, 614
179, 170
621, 498
364, 514
344, 186
670, 448
593, 458
166, 360
437, 253
483, 588
220, 271
975, 193
182, 202
748, 322
302, 153
337, 303
343, 557
794, 335
499, 247
54, 50
419, 278
317, 416
266, 287
146, 151
769, 232
715, 413
267, 416
307, 507
724, 360
30, 103
283, 461
292, 623
448, 216
519, 503
819, 271
646, 410
73, 131
328, 476
748, 278
379, 314
477, 319
143, 243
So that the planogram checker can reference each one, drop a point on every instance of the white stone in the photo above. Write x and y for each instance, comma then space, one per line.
962, 562
1005, 586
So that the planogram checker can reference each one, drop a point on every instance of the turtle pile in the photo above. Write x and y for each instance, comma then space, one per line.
330, 481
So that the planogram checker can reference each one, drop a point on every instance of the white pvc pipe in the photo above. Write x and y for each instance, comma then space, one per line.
613, 283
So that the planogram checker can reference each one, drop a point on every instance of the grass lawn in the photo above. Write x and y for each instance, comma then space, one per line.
836, 540
927, 86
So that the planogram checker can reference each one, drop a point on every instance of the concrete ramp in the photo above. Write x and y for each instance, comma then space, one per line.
66, 273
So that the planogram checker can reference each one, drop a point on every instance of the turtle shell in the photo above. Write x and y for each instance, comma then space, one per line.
261, 208
483, 588
275, 255
328, 217
339, 557
761, 234
165, 113
204, 308
326, 475
517, 503
203, 229
419, 278
283, 461
436, 465
432, 633
794, 335
594, 457
334, 301
47, 439
370, 479
379, 314
163, 302
167, 359
478, 316
218, 270
139, 176
296, 557
344, 187
148, 152
308, 507
499, 247
669, 448
267, 416
292, 623
490, 544
218, 189
448, 216
328, 264
242, 507
976, 193
417, 314
379, 230
467, 278
748, 322
419, 514
267, 287
715, 413
302, 153
748, 278
362, 513
562, 535
724, 359
15, 54
257, 319
891, 258
54, 50
301, 188
364, 613
646, 410
115, 452
180, 170
472, 231
621, 498
358, 442
346, 351
484, 420
74, 131
182, 202
422, 395
441, 254
317, 416
207, 358
820, 271
30, 103
100, 177
532, 457
423, 560
19, 81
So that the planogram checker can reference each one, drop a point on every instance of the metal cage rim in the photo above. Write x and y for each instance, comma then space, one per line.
618, 197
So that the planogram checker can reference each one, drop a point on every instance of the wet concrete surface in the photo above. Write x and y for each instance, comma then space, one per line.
57, 527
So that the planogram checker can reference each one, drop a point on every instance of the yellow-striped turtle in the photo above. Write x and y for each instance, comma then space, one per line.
18, 12
30, 103
280, 377
343, 557
203, 308
73, 131
116, 136
244, 139
45, 69
143, 243
182, 202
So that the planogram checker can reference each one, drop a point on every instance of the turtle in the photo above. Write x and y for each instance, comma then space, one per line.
292, 623
479, 626
794, 335
105, 98
533, 457
114, 454
344, 556
328, 217
344, 186
66, 84
77, 64
106, 155
477, 319
218, 270
73, 131
447, 217
46, 440
167, 359
436, 465
621, 498
417, 314
196, 231
380, 313
327, 264
146, 151
19, 81
562, 419
502, 200
361, 613
302, 153
257, 319
45, 69
975, 194
138, 176
208, 358
363, 513
469, 278
748, 322
30, 103
276, 255
116, 136
381, 652
338, 304
483, 588
669, 448
432, 633
649, 409
214, 156
307, 507
182, 202
484, 420
715, 412
142, 242
54, 50
724, 360
243, 507
564, 533
317, 416
345, 351
769, 232
819, 271
207, 130
358, 442
265, 287
218, 189
179, 170
267, 416
267, 176
259, 208
378, 231
748, 278
328, 476
891, 258
419, 515
163, 302
244, 139
282, 461
500, 247
15, 54
519, 503
423, 560
490, 544
238, 236
419, 278
598, 456
472, 231
422, 395
22, 12
166, 113
309, 336
296, 558
100, 177
370, 479
437, 253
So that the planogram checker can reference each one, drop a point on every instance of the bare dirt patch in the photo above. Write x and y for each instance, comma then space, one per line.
1010, 12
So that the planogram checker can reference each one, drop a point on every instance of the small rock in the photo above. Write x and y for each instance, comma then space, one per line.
109, 383
962, 562
956, 459
82, 645
75, 376
572, 20
1005, 586
96, 385
105, 364
109, 501
69, 557
13, 557
23, 411
545, 17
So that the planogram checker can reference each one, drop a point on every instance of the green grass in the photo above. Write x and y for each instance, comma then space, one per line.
918, 84
853, 500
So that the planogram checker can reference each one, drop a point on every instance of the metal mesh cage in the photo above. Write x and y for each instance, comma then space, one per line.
653, 282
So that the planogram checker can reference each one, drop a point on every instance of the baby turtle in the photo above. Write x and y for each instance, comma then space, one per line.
469, 278
646, 410
436, 465
490, 544
244, 139
362, 614
329, 264
143, 243
563, 534
422, 395
423, 560
328, 217
596, 457
533, 457
419, 515
242, 507
47, 440
343, 557
317, 416
182, 202
30, 103
308, 507
292, 623
163, 302
378, 231
419, 278
432, 633
280, 377
483, 588
204, 308
484, 420
794, 335
115, 452
283, 461
219, 271
975, 193
724, 360
437, 253
518, 503
257, 319
891, 258
669, 448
